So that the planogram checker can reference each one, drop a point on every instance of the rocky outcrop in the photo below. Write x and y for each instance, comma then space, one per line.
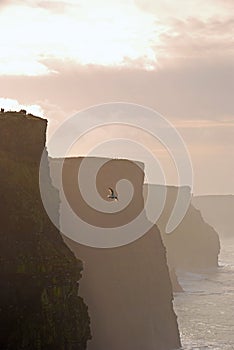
127, 288
218, 211
193, 245
39, 303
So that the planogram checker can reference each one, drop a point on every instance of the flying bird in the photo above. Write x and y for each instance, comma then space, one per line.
112, 194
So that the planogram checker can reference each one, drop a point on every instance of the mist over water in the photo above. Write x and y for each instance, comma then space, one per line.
206, 310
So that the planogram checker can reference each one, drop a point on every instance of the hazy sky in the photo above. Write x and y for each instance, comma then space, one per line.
177, 57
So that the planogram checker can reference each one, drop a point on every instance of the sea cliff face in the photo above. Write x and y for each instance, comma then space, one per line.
127, 288
218, 211
194, 245
39, 303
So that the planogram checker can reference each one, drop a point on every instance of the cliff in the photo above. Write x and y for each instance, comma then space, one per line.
127, 288
193, 245
177, 288
39, 303
218, 211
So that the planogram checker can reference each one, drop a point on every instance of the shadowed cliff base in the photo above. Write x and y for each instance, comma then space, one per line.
40, 307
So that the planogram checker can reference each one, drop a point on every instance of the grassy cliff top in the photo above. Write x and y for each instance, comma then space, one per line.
22, 135
22, 114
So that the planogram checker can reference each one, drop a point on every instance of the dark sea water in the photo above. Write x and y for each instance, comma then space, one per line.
206, 310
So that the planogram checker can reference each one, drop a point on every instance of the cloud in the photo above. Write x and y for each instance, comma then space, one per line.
203, 123
14, 105
4, 3
195, 88
194, 38
225, 3
108, 35
182, 9
52, 5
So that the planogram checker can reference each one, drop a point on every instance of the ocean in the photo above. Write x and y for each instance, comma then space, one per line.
205, 310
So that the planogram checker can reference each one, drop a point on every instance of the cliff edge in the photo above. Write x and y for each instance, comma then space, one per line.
194, 245
127, 288
218, 211
39, 303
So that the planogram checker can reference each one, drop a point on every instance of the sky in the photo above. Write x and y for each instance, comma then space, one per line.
177, 57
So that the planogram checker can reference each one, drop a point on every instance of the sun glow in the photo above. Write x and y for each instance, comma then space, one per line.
112, 35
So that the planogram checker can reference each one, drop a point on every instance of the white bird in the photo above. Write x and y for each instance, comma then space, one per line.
112, 194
